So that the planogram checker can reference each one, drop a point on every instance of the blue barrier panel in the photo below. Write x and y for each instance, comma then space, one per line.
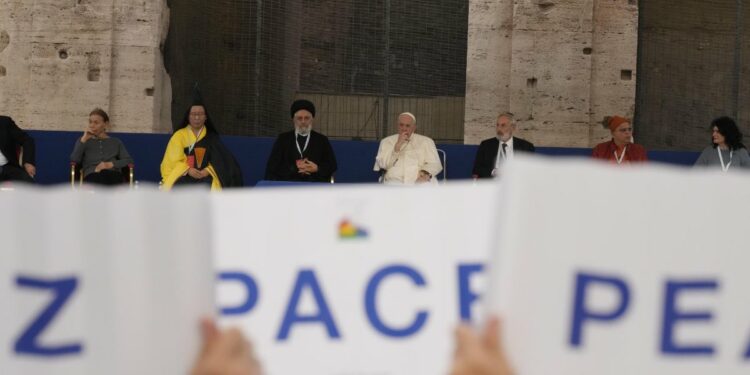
355, 158
459, 160
561, 151
270, 183
251, 154
683, 158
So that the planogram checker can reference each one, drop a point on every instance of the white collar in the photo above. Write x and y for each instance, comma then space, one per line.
509, 142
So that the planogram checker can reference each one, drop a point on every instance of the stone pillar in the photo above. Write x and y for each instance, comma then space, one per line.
566, 64
488, 66
63, 59
141, 89
613, 65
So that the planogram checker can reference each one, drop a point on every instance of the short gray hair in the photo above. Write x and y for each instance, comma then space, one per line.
507, 115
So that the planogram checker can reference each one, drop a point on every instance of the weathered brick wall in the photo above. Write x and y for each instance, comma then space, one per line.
59, 60
559, 66
488, 66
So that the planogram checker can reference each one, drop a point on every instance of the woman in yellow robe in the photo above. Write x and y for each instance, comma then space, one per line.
196, 156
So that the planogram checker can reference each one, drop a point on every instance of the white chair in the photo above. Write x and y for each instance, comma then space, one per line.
444, 161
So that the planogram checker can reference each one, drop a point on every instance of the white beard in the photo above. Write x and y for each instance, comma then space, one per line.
303, 131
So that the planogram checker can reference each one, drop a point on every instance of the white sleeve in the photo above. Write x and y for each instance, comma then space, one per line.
432, 161
386, 157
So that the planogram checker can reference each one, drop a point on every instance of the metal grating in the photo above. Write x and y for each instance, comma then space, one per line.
359, 61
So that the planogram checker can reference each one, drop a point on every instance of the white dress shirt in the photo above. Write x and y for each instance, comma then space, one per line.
508, 152
3, 159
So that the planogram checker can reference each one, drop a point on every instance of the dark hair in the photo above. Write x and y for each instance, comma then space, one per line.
186, 119
197, 100
728, 128
100, 112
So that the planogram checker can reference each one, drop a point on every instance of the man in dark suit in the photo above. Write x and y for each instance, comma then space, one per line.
301, 154
494, 151
13, 140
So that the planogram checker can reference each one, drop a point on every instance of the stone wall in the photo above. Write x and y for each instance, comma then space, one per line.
559, 65
59, 60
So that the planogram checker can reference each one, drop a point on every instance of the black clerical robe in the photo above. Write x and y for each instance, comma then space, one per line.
282, 163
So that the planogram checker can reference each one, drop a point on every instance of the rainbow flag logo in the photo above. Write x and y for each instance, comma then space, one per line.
347, 230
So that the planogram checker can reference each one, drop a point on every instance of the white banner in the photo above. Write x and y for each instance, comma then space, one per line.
352, 280
106, 283
623, 271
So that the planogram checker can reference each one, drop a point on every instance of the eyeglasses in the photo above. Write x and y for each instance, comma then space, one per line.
625, 130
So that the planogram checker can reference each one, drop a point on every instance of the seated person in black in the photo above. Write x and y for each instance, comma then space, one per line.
13, 140
301, 154
493, 152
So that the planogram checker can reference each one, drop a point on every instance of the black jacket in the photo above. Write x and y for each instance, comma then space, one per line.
223, 161
282, 163
484, 162
11, 138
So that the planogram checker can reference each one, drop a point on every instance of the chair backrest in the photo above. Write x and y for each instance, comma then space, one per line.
75, 174
444, 161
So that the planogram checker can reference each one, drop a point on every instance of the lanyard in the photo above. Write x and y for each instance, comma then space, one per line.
622, 156
724, 168
297, 144
190, 149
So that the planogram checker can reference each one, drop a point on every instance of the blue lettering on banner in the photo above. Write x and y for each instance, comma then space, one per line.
28, 343
466, 297
672, 316
371, 309
306, 279
248, 283
581, 314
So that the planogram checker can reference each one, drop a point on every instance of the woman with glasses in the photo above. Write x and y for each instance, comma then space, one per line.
195, 154
621, 149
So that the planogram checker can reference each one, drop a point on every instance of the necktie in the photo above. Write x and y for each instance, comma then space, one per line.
505, 146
